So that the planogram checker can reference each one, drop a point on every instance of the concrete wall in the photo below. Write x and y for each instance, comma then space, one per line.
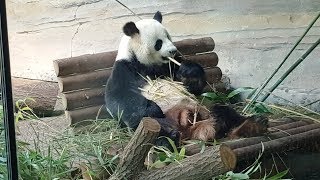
252, 36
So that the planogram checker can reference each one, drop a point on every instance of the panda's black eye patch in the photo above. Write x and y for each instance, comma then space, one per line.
158, 45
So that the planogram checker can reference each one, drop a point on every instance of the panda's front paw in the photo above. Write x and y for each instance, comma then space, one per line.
174, 135
192, 76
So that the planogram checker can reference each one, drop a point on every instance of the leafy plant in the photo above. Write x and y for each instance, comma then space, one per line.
23, 110
219, 97
35, 165
164, 156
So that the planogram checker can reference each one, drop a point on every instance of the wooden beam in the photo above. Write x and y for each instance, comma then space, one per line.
84, 81
82, 99
89, 113
43, 93
210, 59
193, 46
279, 134
281, 131
277, 145
84, 64
197, 167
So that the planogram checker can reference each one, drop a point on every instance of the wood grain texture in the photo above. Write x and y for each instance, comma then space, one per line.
200, 166
133, 156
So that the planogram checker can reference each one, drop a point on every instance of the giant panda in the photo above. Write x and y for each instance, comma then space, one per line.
143, 57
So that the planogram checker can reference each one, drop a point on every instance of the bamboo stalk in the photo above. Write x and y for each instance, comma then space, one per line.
290, 69
255, 97
174, 61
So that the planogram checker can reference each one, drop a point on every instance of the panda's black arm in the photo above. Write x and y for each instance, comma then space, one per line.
191, 74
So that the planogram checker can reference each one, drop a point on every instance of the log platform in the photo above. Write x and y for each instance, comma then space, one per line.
82, 79
214, 160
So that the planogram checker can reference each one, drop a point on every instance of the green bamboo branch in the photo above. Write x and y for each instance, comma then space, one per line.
291, 69
259, 91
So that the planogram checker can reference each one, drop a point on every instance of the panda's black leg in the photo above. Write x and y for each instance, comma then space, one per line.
192, 76
168, 129
153, 110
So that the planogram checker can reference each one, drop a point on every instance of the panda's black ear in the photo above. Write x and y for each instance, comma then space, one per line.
130, 29
158, 16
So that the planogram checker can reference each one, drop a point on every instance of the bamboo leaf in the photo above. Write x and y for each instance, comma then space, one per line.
279, 175
182, 152
210, 95
175, 150
238, 91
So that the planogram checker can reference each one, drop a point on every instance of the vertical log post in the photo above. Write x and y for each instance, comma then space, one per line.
133, 156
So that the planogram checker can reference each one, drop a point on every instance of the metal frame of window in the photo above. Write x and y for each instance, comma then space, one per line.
7, 100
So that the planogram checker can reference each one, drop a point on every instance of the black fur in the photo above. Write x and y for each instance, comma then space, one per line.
193, 77
158, 45
158, 16
227, 119
130, 29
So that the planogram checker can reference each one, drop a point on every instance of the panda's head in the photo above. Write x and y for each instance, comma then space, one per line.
147, 40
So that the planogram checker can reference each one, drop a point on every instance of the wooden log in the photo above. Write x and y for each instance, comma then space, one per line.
280, 134
209, 59
84, 81
276, 145
192, 149
213, 74
43, 93
89, 113
91, 62
285, 130
84, 64
193, 46
133, 156
99, 78
289, 125
200, 166
82, 99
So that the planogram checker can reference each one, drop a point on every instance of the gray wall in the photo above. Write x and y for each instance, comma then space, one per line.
252, 36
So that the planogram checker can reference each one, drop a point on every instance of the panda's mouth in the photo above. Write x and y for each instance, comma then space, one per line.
165, 59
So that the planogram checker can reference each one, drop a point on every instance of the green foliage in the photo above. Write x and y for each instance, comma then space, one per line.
218, 97
35, 165
164, 156
85, 144
24, 112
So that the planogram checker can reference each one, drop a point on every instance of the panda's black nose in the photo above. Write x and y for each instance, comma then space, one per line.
173, 52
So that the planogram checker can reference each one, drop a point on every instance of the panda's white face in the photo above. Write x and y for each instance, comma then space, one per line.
148, 40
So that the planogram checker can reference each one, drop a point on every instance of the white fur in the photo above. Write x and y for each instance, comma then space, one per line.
142, 44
